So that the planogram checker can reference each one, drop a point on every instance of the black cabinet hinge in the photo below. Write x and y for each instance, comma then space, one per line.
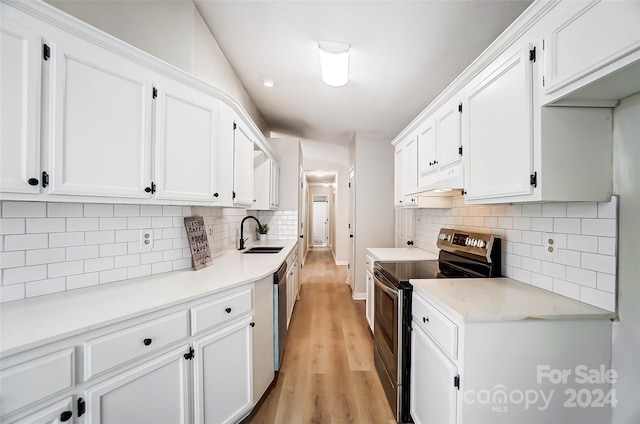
154, 93
235, 126
348, 266
45, 179
252, 324
456, 381
46, 52
460, 150
189, 355
82, 407
151, 189
349, 185
533, 179
460, 108
532, 55
233, 196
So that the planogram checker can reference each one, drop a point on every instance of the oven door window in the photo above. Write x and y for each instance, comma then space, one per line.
386, 327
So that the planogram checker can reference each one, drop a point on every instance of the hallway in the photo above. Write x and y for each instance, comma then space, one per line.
328, 374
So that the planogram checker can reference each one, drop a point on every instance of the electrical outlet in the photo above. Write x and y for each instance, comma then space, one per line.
550, 245
146, 240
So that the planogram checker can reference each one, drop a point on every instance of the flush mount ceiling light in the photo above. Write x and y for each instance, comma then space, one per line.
334, 63
267, 82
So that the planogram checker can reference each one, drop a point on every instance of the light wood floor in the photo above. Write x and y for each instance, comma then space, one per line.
327, 374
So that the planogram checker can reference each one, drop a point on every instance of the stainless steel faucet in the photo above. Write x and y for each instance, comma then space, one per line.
242, 239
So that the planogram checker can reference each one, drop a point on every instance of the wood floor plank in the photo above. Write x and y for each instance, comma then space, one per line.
327, 375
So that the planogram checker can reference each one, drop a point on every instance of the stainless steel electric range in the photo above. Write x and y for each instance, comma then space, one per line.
462, 255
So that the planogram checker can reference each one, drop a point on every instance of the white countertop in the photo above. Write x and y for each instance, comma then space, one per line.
29, 323
502, 299
401, 254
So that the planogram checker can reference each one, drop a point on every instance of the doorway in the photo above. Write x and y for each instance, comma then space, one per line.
320, 216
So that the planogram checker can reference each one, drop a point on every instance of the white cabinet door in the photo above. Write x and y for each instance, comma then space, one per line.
263, 333
100, 121
156, 392
186, 143
20, 64
56, 413
449, 139
292, 290
398, 176
275, 181
243, 166
370, 304
223, 374
433, 396
410, 163
427, 149
587, 37
499, 131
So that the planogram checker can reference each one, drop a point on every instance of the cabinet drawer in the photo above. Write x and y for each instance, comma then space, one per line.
37, 379
439, 327
217, 311
106, 352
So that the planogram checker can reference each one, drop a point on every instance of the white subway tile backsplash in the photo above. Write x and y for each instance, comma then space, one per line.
521, 275
522, 223
542, 281
46, 225
24, 209
607, 246
42, 287
554, 270
568, 257
505, 222
97, 210
113, 223
25, 242
139, 271
66, 239
126, 210
45, 256
124, 236
62, 269
12, 226
582, 243
24, 274
113, 249
82, 224
181, 264
608, 209
566, 288
82, 280
12, 292
139, 222
582, 210
532, 210
172, 211
82, 252
179, 243
148, 210
150, 257
521, 249
542, 224
64, 210
598, 298
113, 275
127, 260
554, 210
12, 259
100, 264
600, 263
606, 282
161, 267
530, 264
599, 227
162, 222
566, 225
170, 255
532, 237
580, 276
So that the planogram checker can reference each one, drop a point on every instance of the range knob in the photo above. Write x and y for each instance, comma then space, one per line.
475, 243
468, 241
482, 243
443, 236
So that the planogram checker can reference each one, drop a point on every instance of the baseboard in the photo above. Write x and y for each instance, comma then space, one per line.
359, 296
342, 262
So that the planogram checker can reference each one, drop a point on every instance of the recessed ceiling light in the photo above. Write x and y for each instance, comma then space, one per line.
267, 82
334, 63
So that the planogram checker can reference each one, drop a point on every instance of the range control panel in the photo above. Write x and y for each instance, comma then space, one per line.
464, 241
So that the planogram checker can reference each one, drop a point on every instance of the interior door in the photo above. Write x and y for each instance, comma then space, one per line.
352, 229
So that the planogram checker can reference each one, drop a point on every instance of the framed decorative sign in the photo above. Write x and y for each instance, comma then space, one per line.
198, 242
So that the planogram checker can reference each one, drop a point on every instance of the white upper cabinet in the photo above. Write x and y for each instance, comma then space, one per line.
498, 130
398, 191
20, 64
266, 179
410, 163
427, 162
449, 139
186, 143
588, 37
99, 121
242, 165
274, 189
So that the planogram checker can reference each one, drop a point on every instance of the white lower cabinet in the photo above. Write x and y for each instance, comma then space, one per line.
370, 301
155, 392
293, 288
223, 374
263, 372
56, 413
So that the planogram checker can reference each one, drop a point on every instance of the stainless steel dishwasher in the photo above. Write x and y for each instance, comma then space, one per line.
279, 314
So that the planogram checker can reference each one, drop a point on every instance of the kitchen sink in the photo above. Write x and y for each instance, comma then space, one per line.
264, 249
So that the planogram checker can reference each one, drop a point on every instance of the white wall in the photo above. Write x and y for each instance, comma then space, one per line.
374, 214
171, 30
333, 157
626, 332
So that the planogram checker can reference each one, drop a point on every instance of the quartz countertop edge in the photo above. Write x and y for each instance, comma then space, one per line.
30, 323
503, 299
383, 254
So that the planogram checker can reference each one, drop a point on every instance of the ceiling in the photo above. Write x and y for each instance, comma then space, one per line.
321, 177
403, 54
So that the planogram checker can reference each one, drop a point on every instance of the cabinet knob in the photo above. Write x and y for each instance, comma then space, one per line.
228, 310
253, 324
301, 236
409, 243
33, 181
425, 320
66, 416
215, 194
147, 342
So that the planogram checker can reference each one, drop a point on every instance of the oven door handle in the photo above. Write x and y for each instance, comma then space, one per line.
384, 288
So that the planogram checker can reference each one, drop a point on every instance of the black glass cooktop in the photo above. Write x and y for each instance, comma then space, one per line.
405, 271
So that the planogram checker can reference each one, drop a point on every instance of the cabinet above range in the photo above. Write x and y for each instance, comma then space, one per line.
92, 116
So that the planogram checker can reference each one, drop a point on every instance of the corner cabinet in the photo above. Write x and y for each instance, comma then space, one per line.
98, 120
499, 130
20, 79
187, 131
